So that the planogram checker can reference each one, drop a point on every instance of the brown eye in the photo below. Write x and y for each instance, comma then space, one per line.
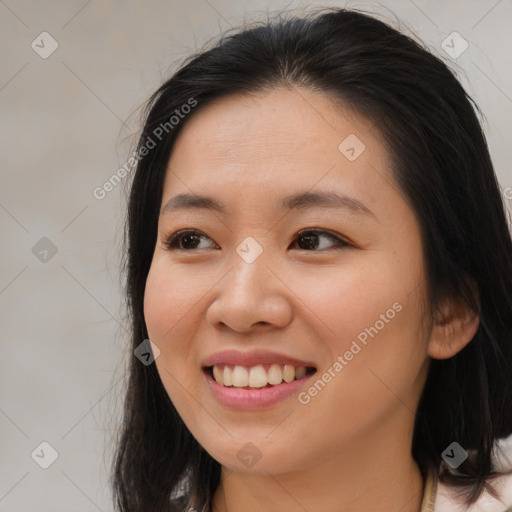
308, 240
185, 240
311, 240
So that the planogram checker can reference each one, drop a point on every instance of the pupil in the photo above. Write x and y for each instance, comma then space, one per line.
311, 241
188, 238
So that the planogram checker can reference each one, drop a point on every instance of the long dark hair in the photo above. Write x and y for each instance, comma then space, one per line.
441, 164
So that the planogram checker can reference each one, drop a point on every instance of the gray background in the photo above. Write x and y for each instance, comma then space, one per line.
68, 122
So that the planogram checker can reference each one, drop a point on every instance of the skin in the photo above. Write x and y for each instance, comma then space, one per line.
349, 448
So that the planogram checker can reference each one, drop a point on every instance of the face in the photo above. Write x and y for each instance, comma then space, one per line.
305, 255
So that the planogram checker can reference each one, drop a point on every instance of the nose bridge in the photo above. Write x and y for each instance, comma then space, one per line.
252, 253
250, 275
251, 293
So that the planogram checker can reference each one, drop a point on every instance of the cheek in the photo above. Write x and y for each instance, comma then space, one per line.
348, 300
169, 297
371, 317
169, 300
168, 303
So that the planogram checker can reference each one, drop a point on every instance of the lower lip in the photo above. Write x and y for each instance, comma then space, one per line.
257, 398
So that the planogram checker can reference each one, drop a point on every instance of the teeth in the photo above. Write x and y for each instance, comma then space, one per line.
218, 374
300, 372
275, 374
288, 373
256, 376
227, 376
240, 377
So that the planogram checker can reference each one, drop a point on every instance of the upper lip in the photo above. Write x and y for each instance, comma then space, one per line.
253, 358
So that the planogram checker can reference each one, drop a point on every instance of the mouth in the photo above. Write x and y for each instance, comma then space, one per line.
257, 376
256, 380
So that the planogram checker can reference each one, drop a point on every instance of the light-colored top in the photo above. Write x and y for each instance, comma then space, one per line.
439, 497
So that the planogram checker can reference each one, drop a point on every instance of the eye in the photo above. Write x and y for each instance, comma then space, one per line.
311, 239
185, 239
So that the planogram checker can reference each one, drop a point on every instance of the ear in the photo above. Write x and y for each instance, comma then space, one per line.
455, 326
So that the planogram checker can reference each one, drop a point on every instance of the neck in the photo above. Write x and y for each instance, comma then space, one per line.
369, 476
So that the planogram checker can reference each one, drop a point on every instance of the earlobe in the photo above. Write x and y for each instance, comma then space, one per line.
453, 330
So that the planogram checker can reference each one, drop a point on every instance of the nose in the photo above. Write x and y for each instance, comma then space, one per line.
251, 296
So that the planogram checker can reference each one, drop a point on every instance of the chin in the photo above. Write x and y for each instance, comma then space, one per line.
255, 457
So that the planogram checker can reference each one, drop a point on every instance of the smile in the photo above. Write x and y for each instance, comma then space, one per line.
259, 376
257, 379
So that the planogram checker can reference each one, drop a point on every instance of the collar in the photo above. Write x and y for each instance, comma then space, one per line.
429, 492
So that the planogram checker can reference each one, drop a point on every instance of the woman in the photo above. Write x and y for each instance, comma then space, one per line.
318, 251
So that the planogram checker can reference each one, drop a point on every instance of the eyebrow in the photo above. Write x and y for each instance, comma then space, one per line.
302, 200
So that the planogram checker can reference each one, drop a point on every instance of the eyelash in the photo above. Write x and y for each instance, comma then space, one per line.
172, 242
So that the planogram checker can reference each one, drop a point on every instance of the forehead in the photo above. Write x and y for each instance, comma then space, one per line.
279, 136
